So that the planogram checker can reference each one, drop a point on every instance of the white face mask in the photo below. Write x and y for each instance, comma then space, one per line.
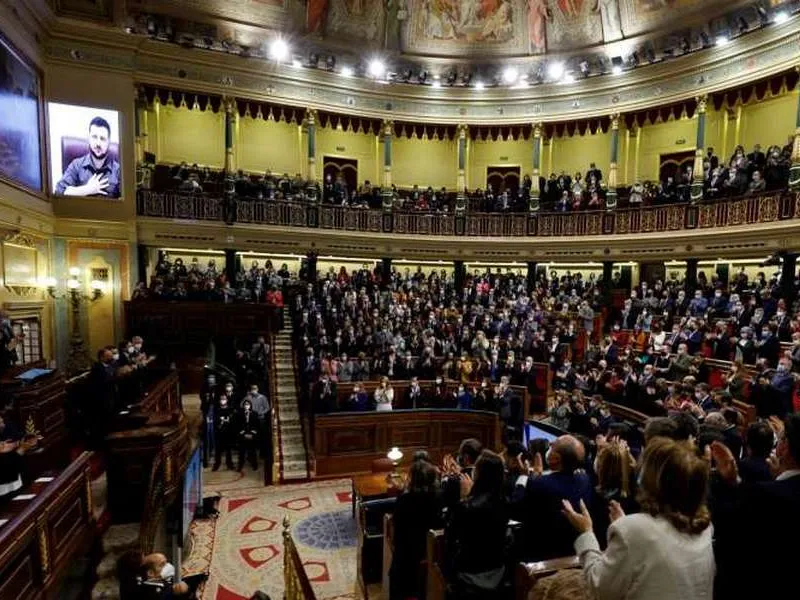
168, 571
137, 347
115, 356
130, 349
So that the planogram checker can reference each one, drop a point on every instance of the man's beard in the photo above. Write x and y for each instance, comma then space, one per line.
98, 156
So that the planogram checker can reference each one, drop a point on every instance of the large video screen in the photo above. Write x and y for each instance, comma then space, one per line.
84, 151
20, 145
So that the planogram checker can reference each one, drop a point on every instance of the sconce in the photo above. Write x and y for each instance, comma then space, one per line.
73, 285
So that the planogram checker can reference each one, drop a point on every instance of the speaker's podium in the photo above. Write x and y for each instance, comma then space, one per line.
148, 452
37, 397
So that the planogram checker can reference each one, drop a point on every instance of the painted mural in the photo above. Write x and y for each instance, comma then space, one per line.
573, 23
356, 20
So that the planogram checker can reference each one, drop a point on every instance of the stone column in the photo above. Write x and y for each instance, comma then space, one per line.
386, 184
691, 276
611, 192
386, 271
230, 125
232, 264
533, 203
311, 153
698, 177
794, 172
461, 185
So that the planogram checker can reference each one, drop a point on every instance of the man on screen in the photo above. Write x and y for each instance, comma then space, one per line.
96, 173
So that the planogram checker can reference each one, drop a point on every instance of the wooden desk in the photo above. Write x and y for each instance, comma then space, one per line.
348, 443
44, 534
373, 486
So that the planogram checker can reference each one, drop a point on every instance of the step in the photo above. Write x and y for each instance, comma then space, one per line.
119, 538
106, 589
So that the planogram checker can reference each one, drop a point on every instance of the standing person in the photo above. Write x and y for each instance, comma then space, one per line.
224, 431
663, 553
384, 395
417, 510
249, 427
12, 446
208, 403
475, 532
614, 468
275, 300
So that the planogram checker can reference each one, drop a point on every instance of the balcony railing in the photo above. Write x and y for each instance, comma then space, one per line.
650, 219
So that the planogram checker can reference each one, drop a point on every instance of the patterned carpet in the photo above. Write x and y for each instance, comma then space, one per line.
244, 546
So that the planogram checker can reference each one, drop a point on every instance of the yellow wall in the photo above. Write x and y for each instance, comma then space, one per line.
768, 122
263, 145
194, 136
342, 143
663, 138
350, 264
574, 154
486, 153
424, 162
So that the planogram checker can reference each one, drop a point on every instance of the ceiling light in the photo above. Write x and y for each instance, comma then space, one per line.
568, 78
279, 50
437, 77
781, 17
722, 40
510, 74
479, 85
555, 70
616, 70
376, 68
296, 63
347, 72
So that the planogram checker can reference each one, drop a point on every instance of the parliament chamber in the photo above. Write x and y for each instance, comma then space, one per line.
402, 300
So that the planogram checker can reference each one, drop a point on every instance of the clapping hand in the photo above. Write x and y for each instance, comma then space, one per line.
581, 521
465, 484
615, 511
449, 466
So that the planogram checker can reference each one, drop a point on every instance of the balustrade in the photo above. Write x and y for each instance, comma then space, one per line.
730, 212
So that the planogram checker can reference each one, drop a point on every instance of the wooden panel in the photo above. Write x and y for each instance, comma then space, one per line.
64, 524
19, 577
346, 443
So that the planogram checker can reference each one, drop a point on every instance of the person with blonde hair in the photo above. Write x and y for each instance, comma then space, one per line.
384, 395
663, 553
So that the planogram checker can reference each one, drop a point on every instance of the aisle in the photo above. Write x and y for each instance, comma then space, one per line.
292, 456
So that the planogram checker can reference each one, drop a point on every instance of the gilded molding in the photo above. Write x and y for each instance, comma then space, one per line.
755, 56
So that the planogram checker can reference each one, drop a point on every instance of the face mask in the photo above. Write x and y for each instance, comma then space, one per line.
130, 349
438, 380
115, 356
228, 389
168, 571
254, 392
782, 368
137, 347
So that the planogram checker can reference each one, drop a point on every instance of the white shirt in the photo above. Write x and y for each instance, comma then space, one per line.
648, 559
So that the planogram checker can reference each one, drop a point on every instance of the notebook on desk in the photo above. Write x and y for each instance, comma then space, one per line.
32, 375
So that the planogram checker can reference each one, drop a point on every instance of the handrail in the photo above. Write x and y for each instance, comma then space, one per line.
730, 212
296, 583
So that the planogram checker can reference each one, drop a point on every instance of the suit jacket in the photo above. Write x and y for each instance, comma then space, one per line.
537, 504
648, 559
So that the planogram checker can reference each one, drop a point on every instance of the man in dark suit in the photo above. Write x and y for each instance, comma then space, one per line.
536, 501
510, 408
769, 347
759, 443
760, 518
464, 463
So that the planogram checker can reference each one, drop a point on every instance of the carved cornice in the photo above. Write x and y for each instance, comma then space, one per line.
757, 55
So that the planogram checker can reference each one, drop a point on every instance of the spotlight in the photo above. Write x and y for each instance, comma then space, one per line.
376, 68
452, 75
634, 59
781, 17
313, 60
584, 68
685, 45
347, 71
466, 78
510, 75
279, 50
705, 40
479, 85
422, 77
436, 84
722, 40
555, 70
330, 63
297, 63
616, 65
151, 27
540, 73
209, 42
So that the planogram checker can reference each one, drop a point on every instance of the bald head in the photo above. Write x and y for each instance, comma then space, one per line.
566, 454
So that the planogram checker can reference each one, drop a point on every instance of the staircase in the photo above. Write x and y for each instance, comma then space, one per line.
292, 455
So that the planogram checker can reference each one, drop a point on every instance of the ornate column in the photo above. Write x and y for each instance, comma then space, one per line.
794, 172
788, 272
533, 203
386, 185
311, 130
698, 176
230, 124
531, 279
611, 193
140, 107
461, 185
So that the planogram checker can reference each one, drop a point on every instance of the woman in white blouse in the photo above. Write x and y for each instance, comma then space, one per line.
664, 552
384, 395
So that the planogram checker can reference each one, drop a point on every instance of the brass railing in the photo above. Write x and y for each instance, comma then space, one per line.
731, 212
296, 583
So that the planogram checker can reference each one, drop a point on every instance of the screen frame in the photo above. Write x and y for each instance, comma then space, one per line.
26, 62
49, 150
183, 525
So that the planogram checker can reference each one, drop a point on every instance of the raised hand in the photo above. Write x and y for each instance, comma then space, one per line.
537, 468
465, 484
582, 521
97, 184
615, 511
